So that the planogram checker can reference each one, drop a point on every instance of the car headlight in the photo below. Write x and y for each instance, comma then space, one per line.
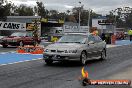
46, 50
66, 51
14, 40
70, 51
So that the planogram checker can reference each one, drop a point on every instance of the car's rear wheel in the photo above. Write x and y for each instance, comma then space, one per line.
21, 43
48, 62
4, 46
103, 54
83, 58
35, 43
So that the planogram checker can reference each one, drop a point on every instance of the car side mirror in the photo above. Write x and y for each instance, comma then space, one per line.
91, 42
26, 36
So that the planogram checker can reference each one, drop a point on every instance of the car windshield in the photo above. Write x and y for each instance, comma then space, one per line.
29, 34
71, 38
18, 34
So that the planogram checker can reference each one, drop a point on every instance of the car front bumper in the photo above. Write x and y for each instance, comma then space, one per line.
61, 57
0, 41
9, 43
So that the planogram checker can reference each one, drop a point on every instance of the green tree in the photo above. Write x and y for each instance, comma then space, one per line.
121, 16
54, 14
5, 9
128, 22
24, 10
84, 15
75, 12
1, 11
40, 9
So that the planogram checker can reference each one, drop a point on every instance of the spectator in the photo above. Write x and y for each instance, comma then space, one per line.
94, 31
103, 36
130, 34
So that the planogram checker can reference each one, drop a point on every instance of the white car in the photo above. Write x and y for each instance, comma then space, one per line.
76, 46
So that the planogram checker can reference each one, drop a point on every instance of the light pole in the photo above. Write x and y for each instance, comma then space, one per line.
79, 18
37, 8
89, 17
79, 15
114, 12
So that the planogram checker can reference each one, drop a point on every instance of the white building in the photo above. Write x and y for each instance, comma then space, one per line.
102, 25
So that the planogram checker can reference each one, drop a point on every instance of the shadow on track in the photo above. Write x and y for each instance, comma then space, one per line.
74, 63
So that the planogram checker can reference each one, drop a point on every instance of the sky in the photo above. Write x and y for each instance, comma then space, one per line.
99, 6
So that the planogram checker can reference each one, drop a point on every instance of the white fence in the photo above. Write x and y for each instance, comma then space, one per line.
67, 28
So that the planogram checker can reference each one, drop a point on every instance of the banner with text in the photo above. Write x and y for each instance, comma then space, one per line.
12, 26
70, 28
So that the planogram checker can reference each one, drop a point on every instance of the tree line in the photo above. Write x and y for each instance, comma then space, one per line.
9, 9
122, 17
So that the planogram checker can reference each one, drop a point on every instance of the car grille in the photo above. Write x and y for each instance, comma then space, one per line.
59, 51
53, 51
56, 51
9, 40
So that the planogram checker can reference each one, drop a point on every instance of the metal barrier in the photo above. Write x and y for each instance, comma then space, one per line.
30, 50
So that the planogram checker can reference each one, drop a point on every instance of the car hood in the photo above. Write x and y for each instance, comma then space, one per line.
63, 46
10, 37
1, 37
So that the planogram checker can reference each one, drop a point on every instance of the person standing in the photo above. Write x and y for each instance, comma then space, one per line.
103, 36
130, 34
95, 31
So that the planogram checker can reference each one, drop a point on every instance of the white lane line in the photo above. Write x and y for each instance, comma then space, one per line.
7, 52
111, 46
18, 53
28, 54
21, 62
3, 53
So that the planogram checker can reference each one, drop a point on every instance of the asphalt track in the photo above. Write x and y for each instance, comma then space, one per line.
35, 74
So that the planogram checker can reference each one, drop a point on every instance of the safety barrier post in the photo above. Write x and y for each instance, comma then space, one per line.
113, 39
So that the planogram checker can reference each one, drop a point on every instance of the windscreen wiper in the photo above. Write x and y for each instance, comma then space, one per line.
74, 42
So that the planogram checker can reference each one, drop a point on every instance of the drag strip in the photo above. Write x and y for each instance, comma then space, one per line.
35, 74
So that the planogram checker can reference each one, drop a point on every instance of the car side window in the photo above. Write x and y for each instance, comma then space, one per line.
29, 34
22, 34
91, 38
97, 39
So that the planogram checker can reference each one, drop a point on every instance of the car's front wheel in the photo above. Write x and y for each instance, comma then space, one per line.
103, 54
48, 62
35, 43
4, 46
21, 43
83, 58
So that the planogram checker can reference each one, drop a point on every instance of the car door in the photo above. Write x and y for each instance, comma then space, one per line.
99, 45
91, 44
28, 38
